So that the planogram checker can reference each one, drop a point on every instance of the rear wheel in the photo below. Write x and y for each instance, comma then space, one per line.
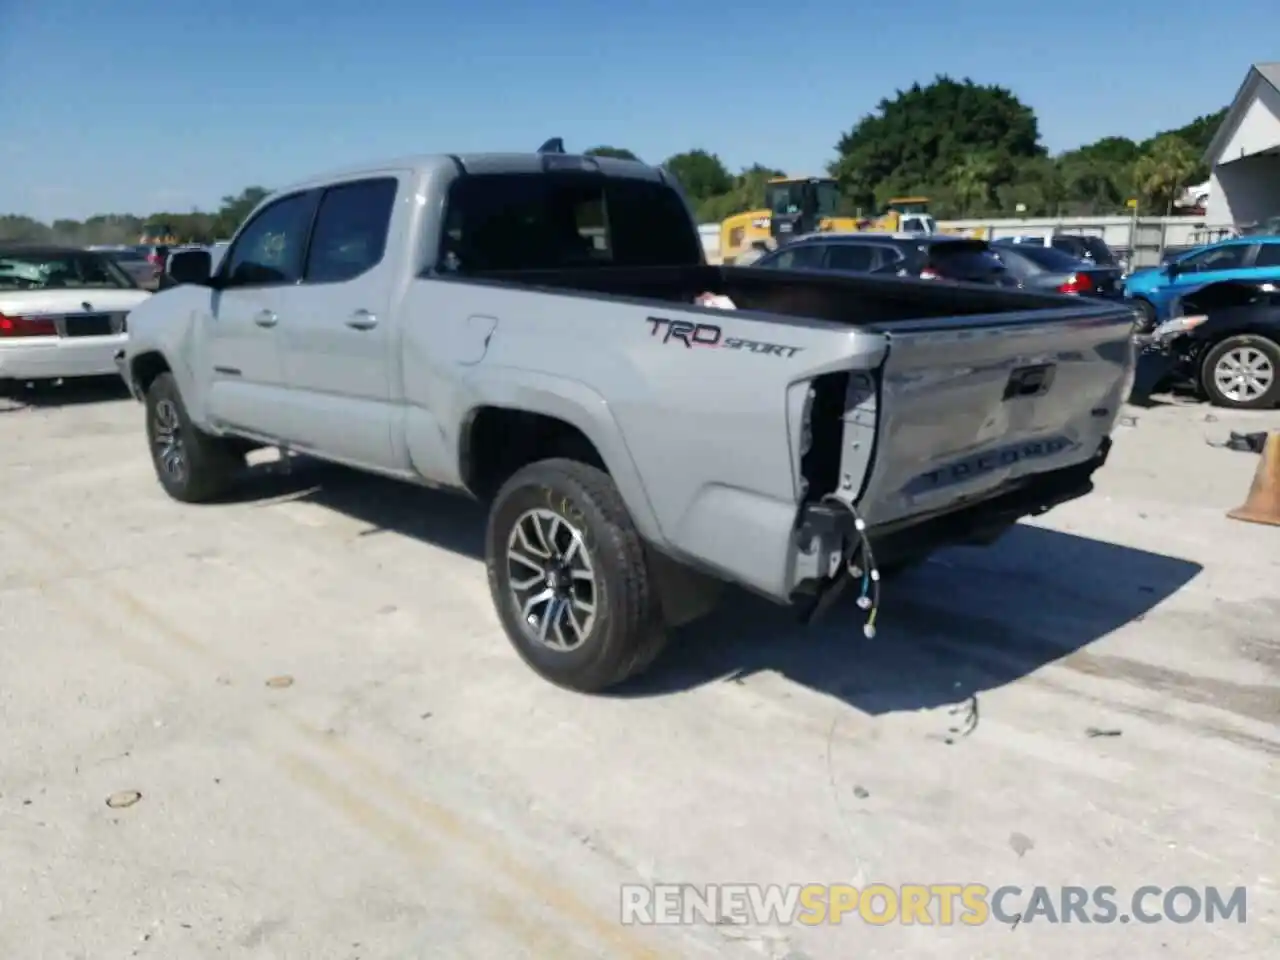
191, 465
1242, 372
569, 578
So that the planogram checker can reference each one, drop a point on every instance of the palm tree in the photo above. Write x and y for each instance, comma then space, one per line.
971, 181
1163, 170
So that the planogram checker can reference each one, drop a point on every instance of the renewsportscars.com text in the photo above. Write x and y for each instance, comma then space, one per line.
940, 904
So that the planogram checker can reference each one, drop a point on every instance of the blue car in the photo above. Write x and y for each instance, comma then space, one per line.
1154, 291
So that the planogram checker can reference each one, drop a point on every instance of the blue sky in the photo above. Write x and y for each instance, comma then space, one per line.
129, 106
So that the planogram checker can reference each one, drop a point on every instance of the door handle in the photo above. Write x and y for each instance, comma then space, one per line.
265, 318
362, 320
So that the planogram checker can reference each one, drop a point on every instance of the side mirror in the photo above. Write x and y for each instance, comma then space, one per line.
1171, 269
191, 266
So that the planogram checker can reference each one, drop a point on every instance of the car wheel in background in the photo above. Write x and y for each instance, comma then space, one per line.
569, 577
1147, 320
191, 465
1242, 372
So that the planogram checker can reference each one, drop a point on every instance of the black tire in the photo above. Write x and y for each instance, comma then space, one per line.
201, 467
1269, 350
626, 633
1149, 319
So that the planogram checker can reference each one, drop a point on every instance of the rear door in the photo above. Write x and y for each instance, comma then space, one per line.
245, 376
336, 338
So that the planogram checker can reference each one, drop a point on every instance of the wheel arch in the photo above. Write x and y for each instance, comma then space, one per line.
562, 411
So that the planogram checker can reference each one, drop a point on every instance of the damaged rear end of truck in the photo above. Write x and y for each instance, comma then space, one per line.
968, 425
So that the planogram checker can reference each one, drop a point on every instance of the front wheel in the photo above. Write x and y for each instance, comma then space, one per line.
569, 577
1147, 320
191, 465
1242, 372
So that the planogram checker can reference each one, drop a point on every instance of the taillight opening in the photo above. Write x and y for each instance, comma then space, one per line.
26, 327
928, 273
1078, 283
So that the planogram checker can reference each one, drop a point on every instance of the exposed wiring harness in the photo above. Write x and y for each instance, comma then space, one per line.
860, 562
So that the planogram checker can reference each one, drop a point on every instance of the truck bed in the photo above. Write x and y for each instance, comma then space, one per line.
926, 398
854, 300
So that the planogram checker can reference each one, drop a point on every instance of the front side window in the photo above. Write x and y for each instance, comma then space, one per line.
547, 221
62, 270
350, 234
1219, 258
270, 248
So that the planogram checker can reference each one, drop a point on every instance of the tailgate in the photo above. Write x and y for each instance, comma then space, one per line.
969, 404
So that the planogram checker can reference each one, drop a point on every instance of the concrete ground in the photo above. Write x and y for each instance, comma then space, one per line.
1093, 701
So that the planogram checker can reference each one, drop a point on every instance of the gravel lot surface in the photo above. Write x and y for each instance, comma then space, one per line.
339, 756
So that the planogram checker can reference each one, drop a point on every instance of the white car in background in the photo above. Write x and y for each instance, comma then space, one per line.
63, 312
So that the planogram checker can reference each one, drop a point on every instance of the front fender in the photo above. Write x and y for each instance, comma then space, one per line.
167, 329
580, 406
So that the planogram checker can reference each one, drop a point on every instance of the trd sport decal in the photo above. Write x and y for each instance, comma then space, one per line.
709, 335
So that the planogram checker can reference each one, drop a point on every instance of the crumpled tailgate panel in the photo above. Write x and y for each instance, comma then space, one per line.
968, 404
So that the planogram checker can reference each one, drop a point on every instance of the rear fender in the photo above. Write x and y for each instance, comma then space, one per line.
578, 405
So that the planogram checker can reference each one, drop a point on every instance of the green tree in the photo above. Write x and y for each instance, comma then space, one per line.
921, 135
618, 153
971, 181
1164, 170
747, 193
703, 175
235, 209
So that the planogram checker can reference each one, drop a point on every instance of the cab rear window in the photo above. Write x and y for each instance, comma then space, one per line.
547, 221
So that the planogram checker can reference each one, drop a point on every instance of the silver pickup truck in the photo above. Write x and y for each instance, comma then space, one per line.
529, 329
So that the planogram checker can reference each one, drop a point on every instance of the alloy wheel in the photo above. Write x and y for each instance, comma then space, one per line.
1244, 374
552, 579
171, 452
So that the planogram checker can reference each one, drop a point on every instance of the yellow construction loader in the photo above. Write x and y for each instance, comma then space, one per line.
795, 206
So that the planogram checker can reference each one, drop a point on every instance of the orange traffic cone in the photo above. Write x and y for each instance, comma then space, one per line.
1263, 503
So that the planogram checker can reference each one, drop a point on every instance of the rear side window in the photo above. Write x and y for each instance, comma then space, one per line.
1070, 245
1051, 259
806, 256
546, 221
1268, 255
855, 257
350, 234
964, 260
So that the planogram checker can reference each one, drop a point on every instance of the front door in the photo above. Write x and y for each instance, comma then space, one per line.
336, 336
1210, 266
245, 375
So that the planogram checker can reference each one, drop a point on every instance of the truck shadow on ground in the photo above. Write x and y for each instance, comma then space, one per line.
67, 393
968, 621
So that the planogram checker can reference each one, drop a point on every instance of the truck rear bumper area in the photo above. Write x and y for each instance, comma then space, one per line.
826, 526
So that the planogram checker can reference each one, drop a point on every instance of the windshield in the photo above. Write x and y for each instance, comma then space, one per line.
786, 199
75, 270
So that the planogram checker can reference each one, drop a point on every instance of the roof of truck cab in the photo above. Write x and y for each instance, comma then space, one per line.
476, 163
